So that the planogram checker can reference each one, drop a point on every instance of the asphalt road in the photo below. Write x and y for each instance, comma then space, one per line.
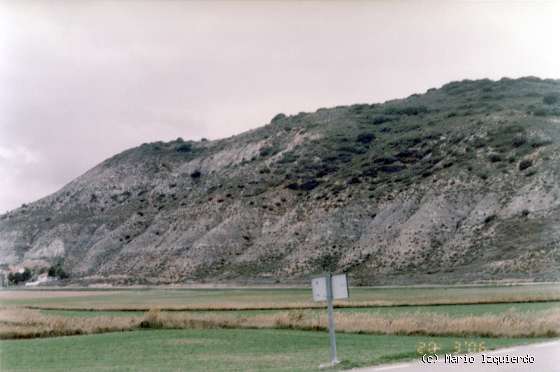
546, 358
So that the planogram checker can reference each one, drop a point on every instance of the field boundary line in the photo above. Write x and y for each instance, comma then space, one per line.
288, 307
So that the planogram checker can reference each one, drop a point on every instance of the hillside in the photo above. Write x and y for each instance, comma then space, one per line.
460, 184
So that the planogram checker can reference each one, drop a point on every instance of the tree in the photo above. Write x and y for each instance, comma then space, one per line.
57, 271
16, 278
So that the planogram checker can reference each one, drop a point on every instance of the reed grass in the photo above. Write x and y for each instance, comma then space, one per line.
28, 323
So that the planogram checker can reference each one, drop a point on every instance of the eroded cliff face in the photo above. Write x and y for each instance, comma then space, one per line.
456, 185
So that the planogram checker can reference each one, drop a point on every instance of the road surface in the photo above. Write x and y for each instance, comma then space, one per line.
545, 357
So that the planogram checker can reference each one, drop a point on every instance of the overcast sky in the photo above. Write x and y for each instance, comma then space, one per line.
81, 81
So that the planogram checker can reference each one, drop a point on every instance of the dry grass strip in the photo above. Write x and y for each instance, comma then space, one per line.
508, 324
26, 323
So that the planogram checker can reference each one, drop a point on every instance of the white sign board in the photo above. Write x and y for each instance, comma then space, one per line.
328, 288
339, 286
319, 286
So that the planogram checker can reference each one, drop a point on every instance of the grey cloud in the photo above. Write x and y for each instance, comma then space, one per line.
81, 81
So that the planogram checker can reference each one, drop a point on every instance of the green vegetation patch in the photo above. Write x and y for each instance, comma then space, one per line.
268, 297
528, 308
219, 350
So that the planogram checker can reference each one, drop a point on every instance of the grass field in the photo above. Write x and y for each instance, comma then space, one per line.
145, 299
219, 350
450, 310
258, 329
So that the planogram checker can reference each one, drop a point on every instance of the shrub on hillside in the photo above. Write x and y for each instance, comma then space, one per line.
278, 118
540, 112
288, 157
380, 119
391, 168
268, 151
307, 185
353, 149
183, 147
494, 157
407, 110
365, 138
519, 141
524, 164
551, 98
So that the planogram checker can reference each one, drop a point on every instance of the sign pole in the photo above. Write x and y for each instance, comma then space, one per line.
332, 336
328, 287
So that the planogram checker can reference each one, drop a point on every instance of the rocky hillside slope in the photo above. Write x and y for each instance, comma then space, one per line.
460, 184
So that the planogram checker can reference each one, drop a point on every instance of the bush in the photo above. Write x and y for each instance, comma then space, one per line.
551, 98
391, 168
184, 147
490, 218
524, 164
264, 170
288, 157
365, 138
414, 110
309, 185
519, 141
407, 110
16, 278
539, 142
482, 174
494, 157
357, 149
369, 172
305, 186
268, 151
278, 118
196, 174
380, 119
293, 186
353, 181
540, 112
57, 271
385, 160
152, 319
327, 262
324, 169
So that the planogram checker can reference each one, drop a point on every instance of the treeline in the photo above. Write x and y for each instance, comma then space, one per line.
54, 271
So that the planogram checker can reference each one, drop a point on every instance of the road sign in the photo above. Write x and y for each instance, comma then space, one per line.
319, 287
339, 286
327, 288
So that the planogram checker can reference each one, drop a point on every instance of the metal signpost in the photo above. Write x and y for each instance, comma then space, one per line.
328, 288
